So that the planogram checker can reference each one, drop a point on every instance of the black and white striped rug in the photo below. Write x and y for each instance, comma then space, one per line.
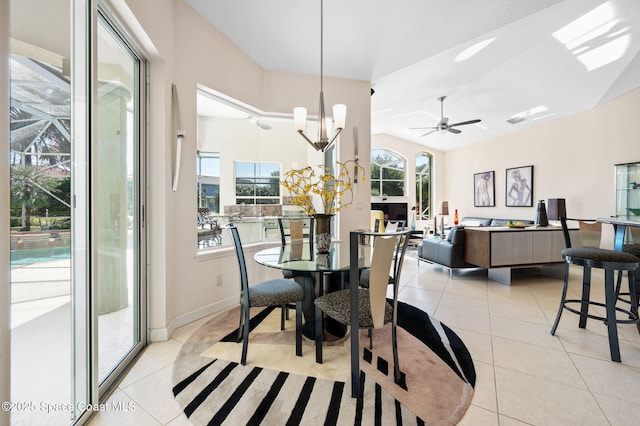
278, 388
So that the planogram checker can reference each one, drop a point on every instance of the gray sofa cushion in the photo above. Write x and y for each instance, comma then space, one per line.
449, 252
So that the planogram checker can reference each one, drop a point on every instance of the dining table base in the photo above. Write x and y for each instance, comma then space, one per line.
314, 285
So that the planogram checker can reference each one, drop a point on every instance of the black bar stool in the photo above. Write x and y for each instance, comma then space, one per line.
592, 256
634, 249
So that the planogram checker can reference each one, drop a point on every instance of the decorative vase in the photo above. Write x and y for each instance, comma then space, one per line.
323, 232
541, 215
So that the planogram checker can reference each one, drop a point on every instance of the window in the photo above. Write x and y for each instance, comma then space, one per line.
208, 169
257, 183
423, 186
387, 173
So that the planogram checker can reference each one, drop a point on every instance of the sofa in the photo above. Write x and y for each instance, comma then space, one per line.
449, 252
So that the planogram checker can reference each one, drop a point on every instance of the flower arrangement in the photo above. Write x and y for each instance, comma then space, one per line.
302, 184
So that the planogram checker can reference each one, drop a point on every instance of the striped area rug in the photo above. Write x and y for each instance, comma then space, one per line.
278, 388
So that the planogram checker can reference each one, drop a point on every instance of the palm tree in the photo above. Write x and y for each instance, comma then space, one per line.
30, 188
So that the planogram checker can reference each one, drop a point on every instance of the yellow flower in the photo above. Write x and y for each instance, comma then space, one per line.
304, 182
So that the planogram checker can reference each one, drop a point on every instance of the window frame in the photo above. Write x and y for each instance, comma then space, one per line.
252, 199
428, 208
381, 180
201, 155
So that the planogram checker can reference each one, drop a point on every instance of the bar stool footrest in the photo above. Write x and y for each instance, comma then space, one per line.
633, 318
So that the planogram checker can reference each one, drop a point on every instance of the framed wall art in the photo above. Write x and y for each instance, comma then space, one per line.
519, 187
484, 193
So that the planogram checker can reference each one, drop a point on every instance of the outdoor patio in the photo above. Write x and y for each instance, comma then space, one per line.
41, 337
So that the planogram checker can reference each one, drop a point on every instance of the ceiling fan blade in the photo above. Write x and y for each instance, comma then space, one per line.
456, 131
428, 133
464, 123
421, 128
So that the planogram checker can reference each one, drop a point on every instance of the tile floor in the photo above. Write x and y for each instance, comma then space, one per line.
524, 375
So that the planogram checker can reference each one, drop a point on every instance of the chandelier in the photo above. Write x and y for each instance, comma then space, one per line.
339, 110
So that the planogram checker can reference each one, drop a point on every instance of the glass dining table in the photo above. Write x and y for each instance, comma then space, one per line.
323, 272
317, 273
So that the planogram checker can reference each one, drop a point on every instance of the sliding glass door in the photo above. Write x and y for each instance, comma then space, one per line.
117, 220
78, 234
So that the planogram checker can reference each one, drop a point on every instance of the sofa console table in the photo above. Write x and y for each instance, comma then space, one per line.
501, 249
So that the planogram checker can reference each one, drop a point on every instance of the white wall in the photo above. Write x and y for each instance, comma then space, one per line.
242, 140
5, 332
573, 158
192, 52
284, 91
186, 50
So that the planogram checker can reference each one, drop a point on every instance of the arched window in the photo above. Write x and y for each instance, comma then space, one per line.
387, 173
423, 186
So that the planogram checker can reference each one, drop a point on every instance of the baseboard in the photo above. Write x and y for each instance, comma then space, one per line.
163, 334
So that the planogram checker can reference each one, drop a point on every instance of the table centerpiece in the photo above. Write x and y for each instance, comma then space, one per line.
334, 191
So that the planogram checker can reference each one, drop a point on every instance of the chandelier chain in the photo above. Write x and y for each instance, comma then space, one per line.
321, 43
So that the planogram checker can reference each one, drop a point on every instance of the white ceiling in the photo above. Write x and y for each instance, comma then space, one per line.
408, 50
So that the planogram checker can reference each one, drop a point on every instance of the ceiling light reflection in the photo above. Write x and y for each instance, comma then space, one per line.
605, 54
528, 113
595, 38
586, 24
471, 51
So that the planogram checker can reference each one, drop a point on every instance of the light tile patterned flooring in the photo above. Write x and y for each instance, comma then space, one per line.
524, 375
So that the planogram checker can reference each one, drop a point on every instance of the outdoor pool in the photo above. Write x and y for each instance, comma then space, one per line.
29, 256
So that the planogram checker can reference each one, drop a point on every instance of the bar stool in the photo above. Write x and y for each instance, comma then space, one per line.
592, 256
634, 249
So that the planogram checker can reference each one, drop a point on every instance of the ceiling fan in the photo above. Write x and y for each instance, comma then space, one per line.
443, 123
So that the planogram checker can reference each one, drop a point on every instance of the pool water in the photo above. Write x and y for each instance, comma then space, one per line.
37, 255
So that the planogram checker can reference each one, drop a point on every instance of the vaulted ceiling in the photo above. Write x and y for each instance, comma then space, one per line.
510, 63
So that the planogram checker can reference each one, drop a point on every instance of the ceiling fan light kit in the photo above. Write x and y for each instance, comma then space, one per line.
443, 125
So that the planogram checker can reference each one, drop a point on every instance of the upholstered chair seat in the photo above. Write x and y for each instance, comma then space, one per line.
634, 249
276, 292
582, 255
338, 306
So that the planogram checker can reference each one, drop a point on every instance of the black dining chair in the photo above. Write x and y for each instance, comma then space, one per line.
374, 310
278, 292
589, 256
296, 229
397, 260
393, 225
294, 232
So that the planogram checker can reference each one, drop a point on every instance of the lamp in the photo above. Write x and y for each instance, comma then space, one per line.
339, 110
557, 208
445, 208
444, 211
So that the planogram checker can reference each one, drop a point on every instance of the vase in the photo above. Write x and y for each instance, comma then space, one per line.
541, 215
323, 232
